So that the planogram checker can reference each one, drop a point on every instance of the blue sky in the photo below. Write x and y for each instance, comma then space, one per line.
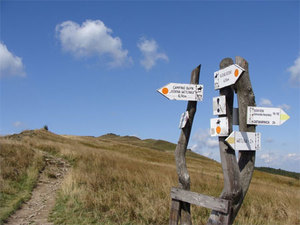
93, 67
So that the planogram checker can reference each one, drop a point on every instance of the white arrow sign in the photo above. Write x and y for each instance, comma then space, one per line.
244, 141
266, 116
187, 92
227, 76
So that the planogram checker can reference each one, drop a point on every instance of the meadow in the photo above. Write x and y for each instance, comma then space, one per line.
126, 180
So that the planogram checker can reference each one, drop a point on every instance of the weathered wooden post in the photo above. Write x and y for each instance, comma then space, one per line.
181, 210
237, 175
230, 168
246, 159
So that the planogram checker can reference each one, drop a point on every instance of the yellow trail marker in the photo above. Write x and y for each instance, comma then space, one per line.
244, 141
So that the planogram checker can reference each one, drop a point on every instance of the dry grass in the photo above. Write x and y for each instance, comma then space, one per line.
19, 169
117, 180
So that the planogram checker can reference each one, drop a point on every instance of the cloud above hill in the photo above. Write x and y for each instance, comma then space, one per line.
92, 38
11, 65
274, 159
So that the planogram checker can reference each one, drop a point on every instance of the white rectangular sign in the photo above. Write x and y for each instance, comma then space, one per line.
244, 141
219, 105
266, 116
219, 126
183, 119
227, 76
187, 92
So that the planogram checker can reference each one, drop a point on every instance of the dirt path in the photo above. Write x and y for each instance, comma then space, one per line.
37, 209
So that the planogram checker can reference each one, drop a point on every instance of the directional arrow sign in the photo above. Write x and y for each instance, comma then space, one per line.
244, 141
266, 116
227, 76
187, 92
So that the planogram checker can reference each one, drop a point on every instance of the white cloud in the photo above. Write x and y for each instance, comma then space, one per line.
274, 159
265, 102
203, 139
293, 156
18, 124
295, 73
205, 145
269, 140
284, 107
149, 49
10, 65
269, 157
90, 39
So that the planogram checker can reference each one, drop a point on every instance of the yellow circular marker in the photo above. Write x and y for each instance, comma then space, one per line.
165, 91
218, 129
236, 72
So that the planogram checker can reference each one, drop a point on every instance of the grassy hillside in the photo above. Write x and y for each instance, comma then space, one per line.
125, 180
279, 172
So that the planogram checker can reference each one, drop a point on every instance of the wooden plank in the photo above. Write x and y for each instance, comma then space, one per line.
216, 204
175, 212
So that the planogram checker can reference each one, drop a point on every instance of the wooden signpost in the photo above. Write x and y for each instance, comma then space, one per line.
193, 92
180, 209
237, 173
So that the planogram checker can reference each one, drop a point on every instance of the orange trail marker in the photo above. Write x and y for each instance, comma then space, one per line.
165, 91
236, 72
219, 127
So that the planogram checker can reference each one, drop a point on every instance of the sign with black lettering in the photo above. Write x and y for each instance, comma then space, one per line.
244, 141
186, 92
266, 116
227, 76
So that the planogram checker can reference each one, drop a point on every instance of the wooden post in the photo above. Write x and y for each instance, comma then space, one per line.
232, 188
175, 212
237, 175
180, 151
246, 161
